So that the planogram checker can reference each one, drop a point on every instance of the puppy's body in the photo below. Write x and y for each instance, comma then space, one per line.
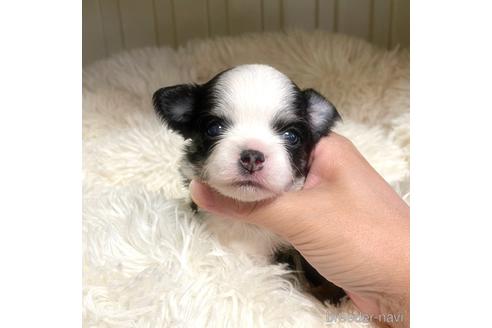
251, 131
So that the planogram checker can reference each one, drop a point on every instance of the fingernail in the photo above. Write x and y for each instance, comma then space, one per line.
201, 194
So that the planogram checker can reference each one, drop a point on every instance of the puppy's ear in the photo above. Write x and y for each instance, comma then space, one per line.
322, 114
175, 106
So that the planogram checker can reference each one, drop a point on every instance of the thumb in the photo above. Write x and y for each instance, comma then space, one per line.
276, 214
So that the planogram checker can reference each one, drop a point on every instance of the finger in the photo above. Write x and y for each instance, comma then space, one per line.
331, 155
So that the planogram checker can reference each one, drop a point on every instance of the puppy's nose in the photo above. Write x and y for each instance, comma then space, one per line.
251, 160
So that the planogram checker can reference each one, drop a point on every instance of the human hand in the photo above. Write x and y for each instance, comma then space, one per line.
347, 222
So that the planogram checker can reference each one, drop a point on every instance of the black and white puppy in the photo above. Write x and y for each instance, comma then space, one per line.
251, 131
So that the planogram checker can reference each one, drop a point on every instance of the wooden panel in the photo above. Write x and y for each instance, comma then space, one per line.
111, 26
400, 25
272, 15
381, 22
137, 18
217, 17
300, 14
354, 17
327, 15
191, 19
92, 32
244, 16
165, 27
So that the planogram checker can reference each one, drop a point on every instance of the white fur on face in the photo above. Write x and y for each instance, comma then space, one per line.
222, 169
250, 97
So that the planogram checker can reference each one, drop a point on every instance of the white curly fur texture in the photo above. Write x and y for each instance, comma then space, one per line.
147, 261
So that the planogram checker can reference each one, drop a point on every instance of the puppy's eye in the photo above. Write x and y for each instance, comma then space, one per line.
291, 137
214, 129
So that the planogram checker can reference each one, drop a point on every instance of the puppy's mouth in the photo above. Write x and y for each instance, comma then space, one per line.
247, 190
248, 183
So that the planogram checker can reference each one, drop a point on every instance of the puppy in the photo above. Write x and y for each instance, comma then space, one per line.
250, 131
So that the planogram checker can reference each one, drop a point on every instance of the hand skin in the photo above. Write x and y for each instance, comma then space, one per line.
346, 221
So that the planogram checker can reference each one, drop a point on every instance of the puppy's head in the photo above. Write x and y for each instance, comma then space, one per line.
251, 129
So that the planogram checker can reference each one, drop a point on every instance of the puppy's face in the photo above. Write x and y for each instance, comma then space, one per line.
251, 129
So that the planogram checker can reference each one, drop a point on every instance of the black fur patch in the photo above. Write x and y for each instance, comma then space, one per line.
309, 132
310, 279
186, 110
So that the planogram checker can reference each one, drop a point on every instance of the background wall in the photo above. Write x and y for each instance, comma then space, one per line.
110, 26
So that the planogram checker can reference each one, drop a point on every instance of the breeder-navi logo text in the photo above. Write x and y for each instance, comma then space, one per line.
332, 318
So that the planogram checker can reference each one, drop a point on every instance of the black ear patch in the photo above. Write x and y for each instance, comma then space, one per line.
322, 114
175, 106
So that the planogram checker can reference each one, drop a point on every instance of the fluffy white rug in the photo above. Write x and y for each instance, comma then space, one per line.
147, 261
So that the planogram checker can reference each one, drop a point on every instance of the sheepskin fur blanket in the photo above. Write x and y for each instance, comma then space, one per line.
148, 262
